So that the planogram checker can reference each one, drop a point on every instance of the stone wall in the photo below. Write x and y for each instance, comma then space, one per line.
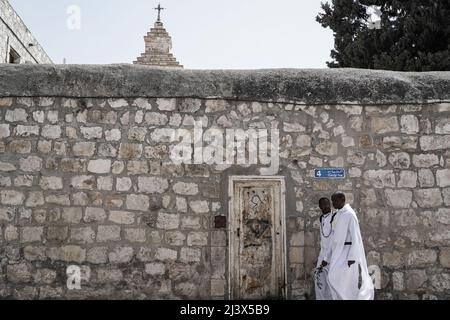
86, 178
15, 34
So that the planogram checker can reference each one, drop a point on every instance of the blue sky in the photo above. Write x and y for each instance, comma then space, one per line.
206, 34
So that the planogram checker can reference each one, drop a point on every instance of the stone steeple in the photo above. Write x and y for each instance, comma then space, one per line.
158, 44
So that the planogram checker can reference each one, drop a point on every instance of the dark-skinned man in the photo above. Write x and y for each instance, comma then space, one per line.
347, 259
322, 287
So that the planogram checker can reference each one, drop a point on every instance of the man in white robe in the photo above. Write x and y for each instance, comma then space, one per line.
322, 287
348, 275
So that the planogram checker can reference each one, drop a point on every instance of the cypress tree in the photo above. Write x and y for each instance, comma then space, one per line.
414, 34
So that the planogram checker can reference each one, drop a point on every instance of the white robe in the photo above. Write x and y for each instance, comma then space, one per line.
322, 287
343, 279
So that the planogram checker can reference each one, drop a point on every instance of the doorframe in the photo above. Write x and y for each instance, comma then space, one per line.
232, 221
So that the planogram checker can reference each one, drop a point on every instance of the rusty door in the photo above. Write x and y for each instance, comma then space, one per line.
257, 245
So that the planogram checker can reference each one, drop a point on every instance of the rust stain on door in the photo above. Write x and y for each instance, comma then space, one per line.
257, 239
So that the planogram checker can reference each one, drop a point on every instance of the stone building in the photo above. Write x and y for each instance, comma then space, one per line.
88, 181
158, 44
17, 44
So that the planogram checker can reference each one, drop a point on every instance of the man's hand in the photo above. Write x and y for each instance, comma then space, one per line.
350, 262
324, 264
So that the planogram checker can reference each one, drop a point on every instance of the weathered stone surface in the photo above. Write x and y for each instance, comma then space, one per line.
155, 119
190, 255
384, 125
25, 131
186, 290
137, 134
185, 188
105, 183
379, 178
327, 148
189, 105
11, 233
44, 276
83, 182
19, 146
440, 282
137, 202
421, 258
392, 259
51, 183
117, 103
426, 178
51, 132
444, 257
135, 235
155, 269
97, 255
175, 238
199, 206
113, 135
82, 235
429, 143
355, 157
35, 199
83, 149
35, 253
123, 184
7, 167
57, 233
165, 254
94, 215
190, 223
400, 160
68, 253
168, 221
440, 236
130, 151
398, 198
108, 233
428, 198
109, 275
121, 255
152, 184
293, 127
409, 124
30, 164
443, 178
62, 200
442, 126
11, 197
415, 279
197, 239
121, 217
408, 179
99, 166
425, 160
16, 115
18, 272
71, 215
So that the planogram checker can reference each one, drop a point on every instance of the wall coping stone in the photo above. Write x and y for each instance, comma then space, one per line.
298, 86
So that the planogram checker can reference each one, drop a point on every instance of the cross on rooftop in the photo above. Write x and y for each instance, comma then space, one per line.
159, 8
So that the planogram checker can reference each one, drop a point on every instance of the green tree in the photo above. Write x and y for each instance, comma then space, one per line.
414, 35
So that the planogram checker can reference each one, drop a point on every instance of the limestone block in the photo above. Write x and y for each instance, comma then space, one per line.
182, 188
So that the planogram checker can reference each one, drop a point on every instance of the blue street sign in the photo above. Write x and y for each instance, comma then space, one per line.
329, 173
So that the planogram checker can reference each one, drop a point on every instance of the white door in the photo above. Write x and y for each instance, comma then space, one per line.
257, 238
